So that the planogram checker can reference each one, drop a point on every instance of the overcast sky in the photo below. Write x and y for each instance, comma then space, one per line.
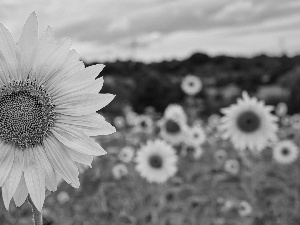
152, 30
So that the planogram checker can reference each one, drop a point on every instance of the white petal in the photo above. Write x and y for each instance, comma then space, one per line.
21, 192
8, 49
80, 157
61, 161
13, 179
51, 183
92, 125
27, 43
77, 140
87, 74
54, 61
67, 91
6, 161
45, 48
34, 178
83, 104
54, 85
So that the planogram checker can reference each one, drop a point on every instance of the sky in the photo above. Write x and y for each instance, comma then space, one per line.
155, 30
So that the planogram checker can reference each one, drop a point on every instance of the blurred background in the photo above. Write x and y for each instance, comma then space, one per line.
149, 47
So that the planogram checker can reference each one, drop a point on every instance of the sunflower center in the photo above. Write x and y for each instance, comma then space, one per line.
26, 113
191, 84
285, 151
143, 124
172, 126
155, 161
248, 121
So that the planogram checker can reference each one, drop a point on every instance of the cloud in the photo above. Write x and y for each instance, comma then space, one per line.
158, 29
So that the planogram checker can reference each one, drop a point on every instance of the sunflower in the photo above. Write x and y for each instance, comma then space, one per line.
285, 152
175, 112
119, 122
232, 166
126, 154
220, 156
48, 104
196, 136
281, 109
249, 124
144, 124
119, 170
156, 161
192, 151
173, 131
244, 208
191, 85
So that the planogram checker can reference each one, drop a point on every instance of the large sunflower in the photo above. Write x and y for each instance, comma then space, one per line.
48, 104
249, 124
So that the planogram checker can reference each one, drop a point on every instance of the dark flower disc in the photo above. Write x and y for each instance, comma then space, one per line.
155, 161
248, 121
172, 126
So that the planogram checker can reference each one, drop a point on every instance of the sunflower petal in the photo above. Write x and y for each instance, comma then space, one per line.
61, 161
51, 183
66, 91
27, 43
77, 140
80, 157
93, 124
34, 178
6, 161
55, 61
83, 104
13, 179
21, 192
8, 49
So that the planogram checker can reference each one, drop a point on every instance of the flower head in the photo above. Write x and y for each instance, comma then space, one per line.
119, 170
126, 154
249, 124
175, 112
156, 161
48, 104
285, 152
191, 85
143, 124
196, 136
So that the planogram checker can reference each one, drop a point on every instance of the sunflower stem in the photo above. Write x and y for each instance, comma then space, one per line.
36, 214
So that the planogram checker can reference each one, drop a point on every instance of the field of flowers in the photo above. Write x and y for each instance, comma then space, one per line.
237, 167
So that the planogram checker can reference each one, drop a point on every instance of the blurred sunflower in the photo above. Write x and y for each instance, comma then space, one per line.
285, 152
119, 122
191, 85
126, 154
281, 109
172, 131
192, 151
295, 121
144, 124
232, 166
196, 135
156, 161
131, 117
176, 112
244, 208
220, 156
119, 170
48, 104
249, 124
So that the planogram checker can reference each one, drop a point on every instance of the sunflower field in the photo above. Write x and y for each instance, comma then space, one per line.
240, 166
